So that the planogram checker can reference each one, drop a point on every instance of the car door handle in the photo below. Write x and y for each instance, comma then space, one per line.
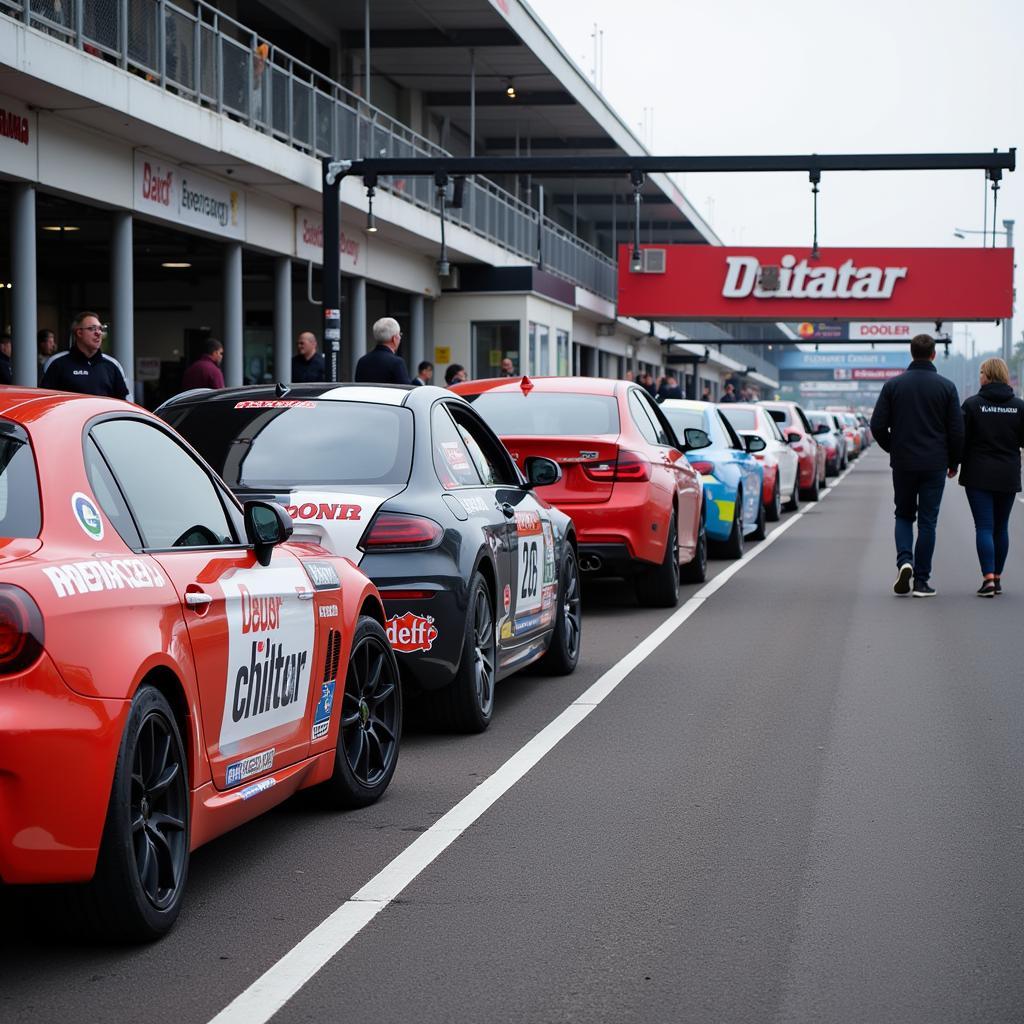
506, 510
305, 595
197, 600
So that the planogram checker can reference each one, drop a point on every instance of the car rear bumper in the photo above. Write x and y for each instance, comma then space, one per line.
57, 756
597, 560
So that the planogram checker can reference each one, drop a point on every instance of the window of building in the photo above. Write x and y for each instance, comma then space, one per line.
562, 353
540, 355
494, 340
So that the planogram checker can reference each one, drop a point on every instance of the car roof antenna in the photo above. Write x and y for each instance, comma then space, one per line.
282, 389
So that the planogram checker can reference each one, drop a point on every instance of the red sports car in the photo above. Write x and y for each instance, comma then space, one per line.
632, 494
797, 430
167, 662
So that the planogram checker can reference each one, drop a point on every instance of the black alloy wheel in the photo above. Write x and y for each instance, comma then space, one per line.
774, 508
659, 587
142, 868
732, 546
371, 720
793, 505
812, 493
759, 532
467, 703
563, 652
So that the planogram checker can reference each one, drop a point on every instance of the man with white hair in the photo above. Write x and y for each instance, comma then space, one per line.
382, 365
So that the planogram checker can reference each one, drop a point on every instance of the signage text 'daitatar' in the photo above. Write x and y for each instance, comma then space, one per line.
720, 283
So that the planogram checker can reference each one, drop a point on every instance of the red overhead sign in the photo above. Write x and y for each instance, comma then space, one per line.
717, 283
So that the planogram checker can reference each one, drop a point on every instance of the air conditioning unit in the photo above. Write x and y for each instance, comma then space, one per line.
653, 261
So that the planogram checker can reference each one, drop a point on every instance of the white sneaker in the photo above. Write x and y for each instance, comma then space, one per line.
902, 584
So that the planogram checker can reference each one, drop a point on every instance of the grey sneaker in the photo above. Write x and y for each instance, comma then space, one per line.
902, 584
923, 589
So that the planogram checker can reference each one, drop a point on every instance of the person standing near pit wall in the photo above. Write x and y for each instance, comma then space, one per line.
917, 420
990, 474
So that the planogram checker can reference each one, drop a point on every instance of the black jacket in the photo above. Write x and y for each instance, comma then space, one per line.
993, 437
72, 371
917, 420
381, 366
6, 373
308, 371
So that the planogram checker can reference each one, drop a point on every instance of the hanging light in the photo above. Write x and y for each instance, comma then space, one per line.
510, 89
636, 260
371, 223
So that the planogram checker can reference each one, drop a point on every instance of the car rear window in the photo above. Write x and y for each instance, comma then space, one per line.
741, 419
20, 514
266, 444
818, 418
552, 414
779, 415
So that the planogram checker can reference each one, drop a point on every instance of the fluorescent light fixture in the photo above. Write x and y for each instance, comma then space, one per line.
61, 227
176, 265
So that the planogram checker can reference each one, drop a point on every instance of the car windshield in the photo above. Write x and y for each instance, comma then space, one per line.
741, 419
20, 514
682, 419
550, 414
269, 444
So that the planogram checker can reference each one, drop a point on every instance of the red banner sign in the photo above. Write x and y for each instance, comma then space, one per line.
716, 283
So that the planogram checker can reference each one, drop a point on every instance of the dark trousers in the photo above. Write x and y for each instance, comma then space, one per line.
991, 511
918, 494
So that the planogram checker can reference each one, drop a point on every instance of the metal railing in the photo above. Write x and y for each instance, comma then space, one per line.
196, 51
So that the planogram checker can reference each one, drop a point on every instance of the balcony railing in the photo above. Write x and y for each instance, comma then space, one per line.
202, 54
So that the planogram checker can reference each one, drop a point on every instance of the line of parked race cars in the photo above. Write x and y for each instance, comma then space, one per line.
206, 610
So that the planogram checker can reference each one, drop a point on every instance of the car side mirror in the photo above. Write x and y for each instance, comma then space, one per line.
694, 439
793, 437
821, 428
542, 472
266, 526
755, 443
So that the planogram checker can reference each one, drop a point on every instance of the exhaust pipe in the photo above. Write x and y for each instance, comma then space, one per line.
590, 563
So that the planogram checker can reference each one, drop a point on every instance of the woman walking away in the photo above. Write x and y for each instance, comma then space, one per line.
994, 435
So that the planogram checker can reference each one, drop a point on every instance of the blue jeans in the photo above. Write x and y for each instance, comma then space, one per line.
918, 494
991, 511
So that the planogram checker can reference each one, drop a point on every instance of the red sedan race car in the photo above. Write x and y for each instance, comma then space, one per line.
168, 663
632, 494
797, 430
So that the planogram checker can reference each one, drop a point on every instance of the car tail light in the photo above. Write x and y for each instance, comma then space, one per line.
21, 630
704, 468
394, 530
760, 458
405, 595
629, 466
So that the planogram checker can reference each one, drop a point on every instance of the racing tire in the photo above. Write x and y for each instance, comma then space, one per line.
142, 868
659, 587
370, 731
696, 570
812, 493
732, 546
759, 531
823, 483
563, 653
793, 505
466, 704
773, 510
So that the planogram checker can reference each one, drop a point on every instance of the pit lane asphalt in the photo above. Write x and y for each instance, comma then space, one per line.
805, 806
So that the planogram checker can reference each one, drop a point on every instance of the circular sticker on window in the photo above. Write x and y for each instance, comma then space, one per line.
87, 514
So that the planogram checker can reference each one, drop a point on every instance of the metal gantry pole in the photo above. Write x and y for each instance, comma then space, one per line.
234, 353
122, 295
1008, 320
23, 301
283, 319
332, 268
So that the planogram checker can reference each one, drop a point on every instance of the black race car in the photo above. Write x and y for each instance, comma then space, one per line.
479, 576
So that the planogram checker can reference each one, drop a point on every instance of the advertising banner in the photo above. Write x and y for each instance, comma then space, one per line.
309, 242
18, 146
719, 283
794, 359
174, 193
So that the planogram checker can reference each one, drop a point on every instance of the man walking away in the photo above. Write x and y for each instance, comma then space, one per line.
917, 420
382, 365
424, 373
205, 372
308, 366
83, 368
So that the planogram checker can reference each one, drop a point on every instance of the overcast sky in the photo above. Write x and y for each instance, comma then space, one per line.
792, 76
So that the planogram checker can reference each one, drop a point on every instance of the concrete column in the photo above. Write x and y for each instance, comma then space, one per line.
23, 277
416, 339
283, 319
122, 296
234, 355
358, 325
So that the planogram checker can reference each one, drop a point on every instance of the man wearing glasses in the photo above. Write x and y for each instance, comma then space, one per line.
83, 368
383, 365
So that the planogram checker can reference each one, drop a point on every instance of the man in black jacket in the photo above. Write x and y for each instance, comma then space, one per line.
917, 420
382, 365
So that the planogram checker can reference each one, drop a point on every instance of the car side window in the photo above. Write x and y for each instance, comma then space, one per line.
173, 500
641, 418
485, 449
734, 439
804, 421
452, 462
108, 494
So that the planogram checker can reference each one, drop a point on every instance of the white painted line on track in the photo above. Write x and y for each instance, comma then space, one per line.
265, 996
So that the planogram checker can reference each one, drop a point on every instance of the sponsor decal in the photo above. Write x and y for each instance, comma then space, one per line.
257, 764
257, 787
527, 623
454, 455
411, 632
999, 408
535, 548
270, 637
103, 574
328, 611
324, 510
506, 631
507, 597
473, 504
549, 553
275, 403
87, 515
322, 714
323, 575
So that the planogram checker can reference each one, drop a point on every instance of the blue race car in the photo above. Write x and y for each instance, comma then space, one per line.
733, 478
